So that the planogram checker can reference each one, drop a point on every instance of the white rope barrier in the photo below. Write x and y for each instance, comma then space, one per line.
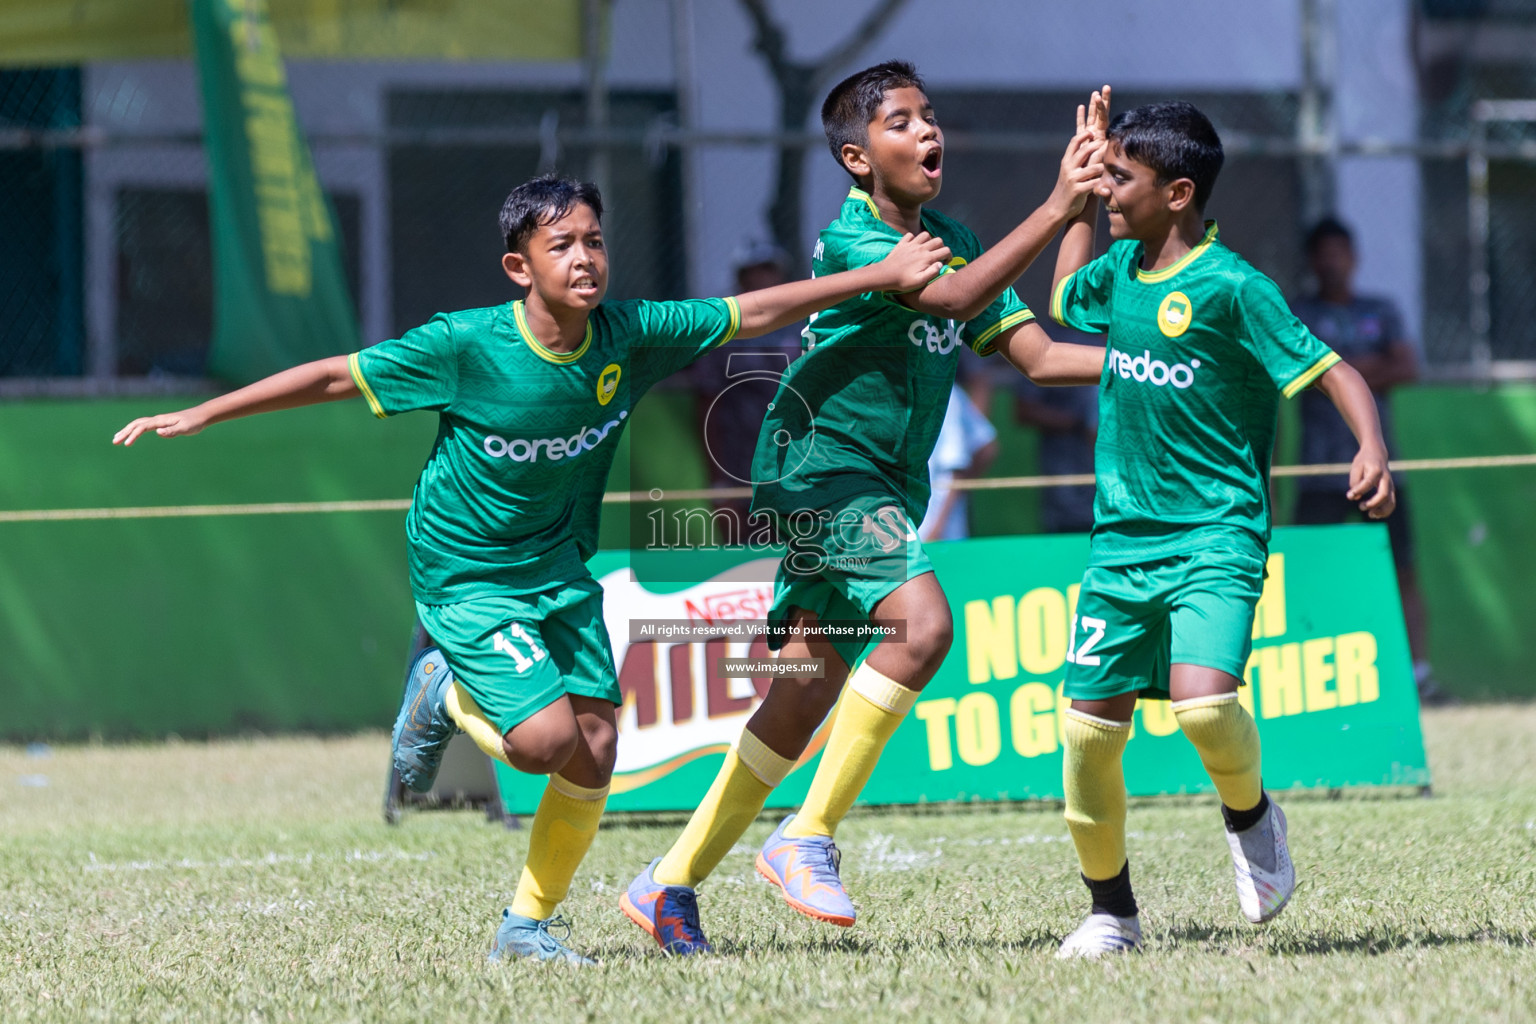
1321, 469
48, 515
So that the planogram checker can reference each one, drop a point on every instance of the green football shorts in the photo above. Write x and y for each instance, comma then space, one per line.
840, 562
517, 654
1134, 621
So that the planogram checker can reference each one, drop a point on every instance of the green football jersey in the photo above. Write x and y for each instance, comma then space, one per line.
860, 410
510, 497
1199, 354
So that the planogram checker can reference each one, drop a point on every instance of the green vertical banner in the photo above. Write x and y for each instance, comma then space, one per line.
280, 296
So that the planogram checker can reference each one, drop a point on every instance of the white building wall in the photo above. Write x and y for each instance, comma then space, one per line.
1379, 196
1200, 45
1163, 44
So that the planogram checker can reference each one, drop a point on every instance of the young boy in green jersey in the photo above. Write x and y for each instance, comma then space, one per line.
842, 468
531, 398
1201, 348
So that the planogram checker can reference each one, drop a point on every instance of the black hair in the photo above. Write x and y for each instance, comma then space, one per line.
1175, 140
1329, 227
540, 200
852, 103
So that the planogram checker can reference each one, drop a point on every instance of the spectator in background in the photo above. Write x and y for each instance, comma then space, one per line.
1367, 332
1067, 420
966, 448
750, 371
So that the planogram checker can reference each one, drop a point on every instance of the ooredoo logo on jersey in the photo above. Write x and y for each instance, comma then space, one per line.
924, 334
526, 449
1152, 371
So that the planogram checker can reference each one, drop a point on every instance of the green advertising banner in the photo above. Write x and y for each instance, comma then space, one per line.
280, 296
1329, 682
44, 33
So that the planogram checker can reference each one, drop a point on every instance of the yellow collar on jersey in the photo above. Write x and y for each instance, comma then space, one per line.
869, 201
857, 193
538, 349
1153, 276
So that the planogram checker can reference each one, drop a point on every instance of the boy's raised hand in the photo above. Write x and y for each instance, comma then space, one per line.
1081, 166
1096, 118
167, 424
915, 260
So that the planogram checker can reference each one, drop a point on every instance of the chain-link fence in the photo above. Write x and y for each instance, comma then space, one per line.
107, 267
107, 274
40, 220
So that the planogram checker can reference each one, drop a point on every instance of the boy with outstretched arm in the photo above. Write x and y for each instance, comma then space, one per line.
531, 398
842, 468
1201, 348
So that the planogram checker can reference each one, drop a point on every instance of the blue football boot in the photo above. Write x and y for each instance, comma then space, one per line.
423, 728
523, 937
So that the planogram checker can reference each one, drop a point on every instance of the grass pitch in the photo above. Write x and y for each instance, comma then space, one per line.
254, 880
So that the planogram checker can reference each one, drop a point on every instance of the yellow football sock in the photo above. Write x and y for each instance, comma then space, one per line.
867, 716
749, 773
1228, 742
466, 714
1094, 782
562, 831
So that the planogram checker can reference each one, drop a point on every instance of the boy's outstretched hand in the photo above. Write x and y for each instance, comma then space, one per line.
1370, 484
167, 424
916, 260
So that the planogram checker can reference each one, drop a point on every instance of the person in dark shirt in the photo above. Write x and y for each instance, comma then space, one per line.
1366, 331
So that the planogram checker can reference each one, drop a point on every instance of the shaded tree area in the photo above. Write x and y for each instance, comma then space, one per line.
801, 85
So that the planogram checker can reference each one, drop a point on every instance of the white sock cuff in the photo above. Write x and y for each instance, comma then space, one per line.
881, 690
1097, 722
1211, 701
565, 787
759, 759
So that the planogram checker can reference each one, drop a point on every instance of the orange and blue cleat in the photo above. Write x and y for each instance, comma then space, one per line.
668, 913
805, 870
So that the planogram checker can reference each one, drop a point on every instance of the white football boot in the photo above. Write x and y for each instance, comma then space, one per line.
1265, 875
1102, 935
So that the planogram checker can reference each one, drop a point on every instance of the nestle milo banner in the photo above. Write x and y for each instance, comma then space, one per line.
1330, 681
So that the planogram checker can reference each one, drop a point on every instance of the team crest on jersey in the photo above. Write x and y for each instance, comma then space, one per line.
608, 383
1174, 315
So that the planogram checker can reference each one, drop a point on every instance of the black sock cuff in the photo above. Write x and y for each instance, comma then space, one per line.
1242, 821
1113, 895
